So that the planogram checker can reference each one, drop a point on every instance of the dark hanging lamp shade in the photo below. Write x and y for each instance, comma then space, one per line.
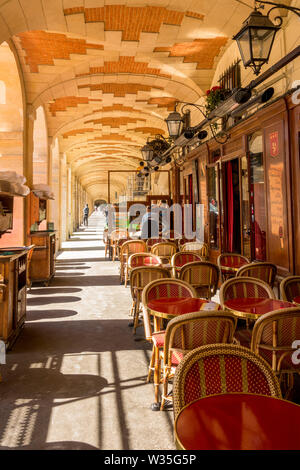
255, 40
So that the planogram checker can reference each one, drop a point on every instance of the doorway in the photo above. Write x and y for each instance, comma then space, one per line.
232, 219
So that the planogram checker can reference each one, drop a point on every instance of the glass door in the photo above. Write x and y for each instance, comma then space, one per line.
213, 193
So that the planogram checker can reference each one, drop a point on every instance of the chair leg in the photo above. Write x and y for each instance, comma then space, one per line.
157, 380
136, 316
165, 389
151, 365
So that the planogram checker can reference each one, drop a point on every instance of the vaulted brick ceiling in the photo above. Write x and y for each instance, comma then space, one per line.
108, 74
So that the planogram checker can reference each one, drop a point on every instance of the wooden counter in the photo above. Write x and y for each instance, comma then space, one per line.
13, 289
42, 266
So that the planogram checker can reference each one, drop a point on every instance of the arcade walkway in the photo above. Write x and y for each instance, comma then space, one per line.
75, 378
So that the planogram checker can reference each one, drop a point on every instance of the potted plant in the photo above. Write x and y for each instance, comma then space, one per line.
213, 97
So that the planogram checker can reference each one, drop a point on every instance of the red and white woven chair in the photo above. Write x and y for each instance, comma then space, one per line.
165, 250
196, 247
190, 331
129, 248
203, 276
290, 288
229, 263
273, 336
164, 288
182, 258
263, 271
115, 236
140, 277
221, 368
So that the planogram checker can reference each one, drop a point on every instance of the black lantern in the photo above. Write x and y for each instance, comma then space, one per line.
147, 152
174, 122
255, 40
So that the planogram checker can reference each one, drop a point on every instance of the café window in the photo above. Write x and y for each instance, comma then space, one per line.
257, 196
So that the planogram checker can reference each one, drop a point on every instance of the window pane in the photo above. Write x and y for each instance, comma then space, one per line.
258, 209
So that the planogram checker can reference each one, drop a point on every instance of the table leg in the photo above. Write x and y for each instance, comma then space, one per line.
156, 405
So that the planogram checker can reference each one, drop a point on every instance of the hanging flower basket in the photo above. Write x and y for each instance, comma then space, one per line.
214, 96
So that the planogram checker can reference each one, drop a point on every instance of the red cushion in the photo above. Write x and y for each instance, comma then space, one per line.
159, 339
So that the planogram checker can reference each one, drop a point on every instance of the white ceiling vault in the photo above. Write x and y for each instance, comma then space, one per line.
108, 72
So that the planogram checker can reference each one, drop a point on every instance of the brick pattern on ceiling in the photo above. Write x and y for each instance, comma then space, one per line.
126, 64
163, 102
61, 104
77, 131
115, 121
200, 51
111, 137
120, 89
42, 48
132, 21
148, 130
118, 107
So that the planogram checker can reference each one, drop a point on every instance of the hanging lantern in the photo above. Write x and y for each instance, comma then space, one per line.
174, 122
147, 152
255, 40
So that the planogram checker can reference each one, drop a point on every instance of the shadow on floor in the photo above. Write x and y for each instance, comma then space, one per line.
69, 266
52, 300
113, 280
54, 290
34, 315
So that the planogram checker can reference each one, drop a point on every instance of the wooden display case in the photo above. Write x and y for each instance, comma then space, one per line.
13, 266
42, 266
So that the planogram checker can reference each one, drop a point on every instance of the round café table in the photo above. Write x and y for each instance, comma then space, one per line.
253, 308
238, 421
169, 308
296, 300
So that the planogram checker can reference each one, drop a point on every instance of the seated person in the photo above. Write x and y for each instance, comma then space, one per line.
149, 225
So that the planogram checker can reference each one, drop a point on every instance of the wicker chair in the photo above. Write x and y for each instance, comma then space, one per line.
115, 236
165, 250
197, 247
242, 287
129, 248
221, 368
203, 276
229, 263
153, 241
263, 271
290, 288
164, 288
182, 258
138, 260
272, 338
30, 250
190, 331
139, 278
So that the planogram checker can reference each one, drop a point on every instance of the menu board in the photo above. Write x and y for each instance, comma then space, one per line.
276, 196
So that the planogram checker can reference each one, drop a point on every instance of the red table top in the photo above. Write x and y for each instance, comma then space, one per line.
235, 264
297, 299
180, 305
239, 422
256, 306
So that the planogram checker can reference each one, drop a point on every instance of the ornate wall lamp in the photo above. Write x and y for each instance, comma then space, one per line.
256, 37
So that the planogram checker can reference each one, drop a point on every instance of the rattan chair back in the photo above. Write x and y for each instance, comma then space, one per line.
221, 368
273, 336
290, 288
225, 260
143, 259
203, 276
163, 288
165, 250
197, 247
263, 271
244, 287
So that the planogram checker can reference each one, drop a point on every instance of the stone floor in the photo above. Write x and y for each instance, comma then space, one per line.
75, 378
